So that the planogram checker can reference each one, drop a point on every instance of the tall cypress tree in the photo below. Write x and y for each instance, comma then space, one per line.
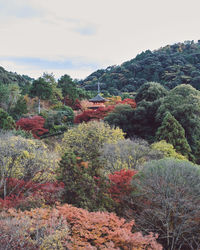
172, 132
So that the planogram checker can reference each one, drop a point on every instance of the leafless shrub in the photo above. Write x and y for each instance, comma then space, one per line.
168, 202
128, 154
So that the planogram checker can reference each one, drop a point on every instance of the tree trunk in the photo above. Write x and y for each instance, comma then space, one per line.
39, 106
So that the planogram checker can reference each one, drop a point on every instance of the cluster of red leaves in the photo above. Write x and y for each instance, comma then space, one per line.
33, 124
121, 184
101, 112
22, 192
86, 230
90, 114
75, 105
129, 101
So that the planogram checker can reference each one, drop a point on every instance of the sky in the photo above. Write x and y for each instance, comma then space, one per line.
77, 37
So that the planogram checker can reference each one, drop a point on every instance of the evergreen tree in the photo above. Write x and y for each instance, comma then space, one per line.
42, 89
172, 132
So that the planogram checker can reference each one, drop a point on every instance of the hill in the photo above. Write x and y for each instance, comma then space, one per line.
170, 65
13, 78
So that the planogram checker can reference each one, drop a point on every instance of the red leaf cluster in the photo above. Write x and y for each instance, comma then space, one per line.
121, 184
75, 105
129, 101
33, 124
20, 192
90, 114
101, 112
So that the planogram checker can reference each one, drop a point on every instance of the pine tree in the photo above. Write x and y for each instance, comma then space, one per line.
172, 132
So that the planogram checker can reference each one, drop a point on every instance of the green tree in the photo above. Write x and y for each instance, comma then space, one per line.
183, 102
150, 91
19, 109
122, 117
42, 89
56, 95
6, 121
172, 132
68, 86
4, 95
81, 187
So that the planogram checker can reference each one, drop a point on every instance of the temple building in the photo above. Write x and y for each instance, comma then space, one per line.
98, 100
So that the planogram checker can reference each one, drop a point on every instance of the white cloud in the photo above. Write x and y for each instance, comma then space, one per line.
104, 32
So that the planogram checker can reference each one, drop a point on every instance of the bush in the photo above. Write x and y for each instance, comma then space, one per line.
86, 139
167, 149
127, 154
25, 160
67, 227
121, 188
34, 124
82, 187
59, 120
6, 121
97, 114
168, 200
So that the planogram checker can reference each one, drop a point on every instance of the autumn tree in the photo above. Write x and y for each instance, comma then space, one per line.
167, 150
72, 228
34, 124
24, 159
86, 139
82, 188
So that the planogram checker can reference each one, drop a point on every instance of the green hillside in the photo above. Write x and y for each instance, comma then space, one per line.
13, 78
171, 65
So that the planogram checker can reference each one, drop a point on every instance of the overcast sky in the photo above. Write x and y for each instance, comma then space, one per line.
77, 37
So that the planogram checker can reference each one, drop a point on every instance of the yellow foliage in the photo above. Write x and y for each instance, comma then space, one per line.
25, 158
113, 100
168, 150
86, 139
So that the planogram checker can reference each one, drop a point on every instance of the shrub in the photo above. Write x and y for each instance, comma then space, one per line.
24, 159
168, 200
97, 114
120, 187
34, 124
127, 154
71, 228
59, 120
6, 121
167, 149
28, 194
86, 139
82, 187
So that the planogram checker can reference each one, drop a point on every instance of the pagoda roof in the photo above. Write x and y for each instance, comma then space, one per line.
98, 98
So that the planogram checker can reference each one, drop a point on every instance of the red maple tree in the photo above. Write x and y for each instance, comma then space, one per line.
33, 124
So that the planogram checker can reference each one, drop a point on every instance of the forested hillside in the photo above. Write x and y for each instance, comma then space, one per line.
170, 66
23, 81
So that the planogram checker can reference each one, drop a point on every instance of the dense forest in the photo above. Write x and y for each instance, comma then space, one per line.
170, 66
119, 173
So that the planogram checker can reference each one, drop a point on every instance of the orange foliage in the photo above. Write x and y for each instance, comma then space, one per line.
85, 230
